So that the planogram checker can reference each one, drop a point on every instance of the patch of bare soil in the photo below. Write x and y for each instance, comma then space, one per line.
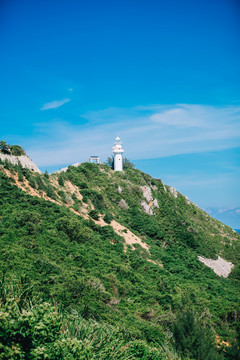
129, 237
220, 266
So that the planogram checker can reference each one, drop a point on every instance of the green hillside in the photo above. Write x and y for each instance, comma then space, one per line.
86, 273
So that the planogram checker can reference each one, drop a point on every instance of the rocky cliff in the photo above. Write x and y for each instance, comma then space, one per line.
23, 160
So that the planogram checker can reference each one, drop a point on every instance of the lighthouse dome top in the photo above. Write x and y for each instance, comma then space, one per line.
117, 138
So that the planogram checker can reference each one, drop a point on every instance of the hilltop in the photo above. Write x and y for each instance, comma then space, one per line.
118, 255
15, 155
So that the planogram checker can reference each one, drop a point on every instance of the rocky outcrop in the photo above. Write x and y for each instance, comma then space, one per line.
220, 266
119, 189
147, 208
173, 191
23, 160
155, 203
123, 205
147, 193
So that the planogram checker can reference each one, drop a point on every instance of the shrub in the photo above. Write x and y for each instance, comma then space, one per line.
110, 162
4, 147
26, 173
29, 221
62, 195
60, 180
98, 202
108, 218
32, 182
46, 175
83, 185
73, 229
20, 174
40, 183
94, 214
193, 337
127, 164
50, 192
17, 150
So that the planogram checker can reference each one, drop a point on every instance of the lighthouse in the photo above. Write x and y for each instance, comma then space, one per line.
117, 151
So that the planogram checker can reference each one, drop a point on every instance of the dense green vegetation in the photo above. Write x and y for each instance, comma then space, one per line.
69, 291
15, 150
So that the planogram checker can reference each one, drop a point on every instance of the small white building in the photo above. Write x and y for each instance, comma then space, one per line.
94, 159
117, 152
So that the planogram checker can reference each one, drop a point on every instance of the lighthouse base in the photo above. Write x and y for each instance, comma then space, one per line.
118, 165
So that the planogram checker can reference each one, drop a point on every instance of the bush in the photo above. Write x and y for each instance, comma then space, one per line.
50, 192
46, 175
98, 202
94, 214
28, 334
32, 182
73, 229
60, 180
110, 162
127, 164
193, 336
17, 150
108, 218
29, 221
4, 147
20, 174
40, 183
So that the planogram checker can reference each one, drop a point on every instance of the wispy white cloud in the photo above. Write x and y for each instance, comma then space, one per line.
229, 211
179, 117
54, 104
147, 132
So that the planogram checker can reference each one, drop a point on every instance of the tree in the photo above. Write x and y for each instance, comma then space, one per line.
193, 336
74, 229
108, 218
46, 175
17, 150
127, 164
94, 214
110, 162
60, 179
4, 146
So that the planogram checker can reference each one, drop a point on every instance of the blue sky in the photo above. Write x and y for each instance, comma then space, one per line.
163, 75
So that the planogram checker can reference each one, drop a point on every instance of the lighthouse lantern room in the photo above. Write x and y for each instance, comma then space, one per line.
117, 151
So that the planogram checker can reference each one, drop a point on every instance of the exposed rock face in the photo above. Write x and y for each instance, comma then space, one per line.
23, 160
119, 189
147, 193
154, 187
155, 203
146, 208
123, 205
173, 191
220, 266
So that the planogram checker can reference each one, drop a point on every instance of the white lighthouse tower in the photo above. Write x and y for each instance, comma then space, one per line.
117, 151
